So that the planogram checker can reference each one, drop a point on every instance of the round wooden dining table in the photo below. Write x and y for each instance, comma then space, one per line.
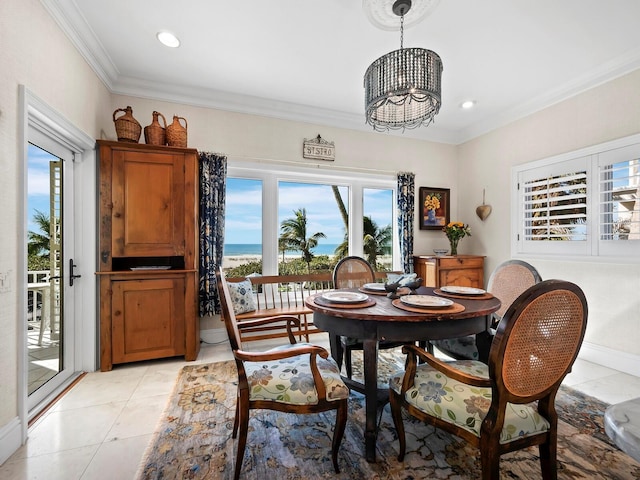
381, 318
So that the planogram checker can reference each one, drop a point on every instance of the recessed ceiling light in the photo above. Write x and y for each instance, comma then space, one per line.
168, 39
467, 104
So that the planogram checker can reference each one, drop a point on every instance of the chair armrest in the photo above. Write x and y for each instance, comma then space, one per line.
281, 354
289, 319
413, 352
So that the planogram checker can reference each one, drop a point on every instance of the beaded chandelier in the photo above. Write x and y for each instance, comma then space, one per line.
403, 87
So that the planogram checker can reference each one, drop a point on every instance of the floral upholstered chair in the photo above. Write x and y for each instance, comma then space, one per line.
293, 378
491, 406
506, 283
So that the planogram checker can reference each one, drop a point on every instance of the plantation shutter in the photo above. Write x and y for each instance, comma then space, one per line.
619, 201
553, 203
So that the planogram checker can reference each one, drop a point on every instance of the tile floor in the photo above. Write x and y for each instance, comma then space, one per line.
100, 429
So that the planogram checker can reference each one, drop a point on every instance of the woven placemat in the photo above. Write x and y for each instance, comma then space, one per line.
455, 308
328, 303
372, 292
484, 296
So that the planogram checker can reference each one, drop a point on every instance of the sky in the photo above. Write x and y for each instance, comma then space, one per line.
243, 218
37, 184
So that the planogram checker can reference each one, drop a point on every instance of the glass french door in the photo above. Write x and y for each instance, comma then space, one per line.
50, 267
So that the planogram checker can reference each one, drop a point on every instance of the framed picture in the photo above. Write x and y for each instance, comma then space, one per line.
433, 206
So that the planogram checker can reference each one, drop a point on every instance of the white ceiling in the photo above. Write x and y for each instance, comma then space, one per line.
305, 59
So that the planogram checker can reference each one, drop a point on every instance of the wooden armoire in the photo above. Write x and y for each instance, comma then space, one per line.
148, 252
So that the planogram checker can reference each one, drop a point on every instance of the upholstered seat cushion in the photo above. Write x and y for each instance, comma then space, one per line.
463, 405
290, 380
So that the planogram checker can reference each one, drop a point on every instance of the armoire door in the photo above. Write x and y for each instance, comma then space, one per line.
148, 204
148, 318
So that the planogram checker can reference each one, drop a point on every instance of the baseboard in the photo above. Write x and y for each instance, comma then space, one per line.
10, 439
214, 335
608, 357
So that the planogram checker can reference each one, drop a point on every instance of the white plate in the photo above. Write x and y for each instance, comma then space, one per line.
463, 290
344, 297
153, 267
428, 301
374, 286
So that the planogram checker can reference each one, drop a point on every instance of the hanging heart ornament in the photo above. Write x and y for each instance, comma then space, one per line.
483, 211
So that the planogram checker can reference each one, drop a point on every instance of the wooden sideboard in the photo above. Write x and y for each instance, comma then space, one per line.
461, 270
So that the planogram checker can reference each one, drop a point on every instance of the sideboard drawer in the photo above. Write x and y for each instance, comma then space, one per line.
461, 262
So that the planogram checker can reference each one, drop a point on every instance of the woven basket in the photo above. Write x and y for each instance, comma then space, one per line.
154, 134
127, 128
176, 133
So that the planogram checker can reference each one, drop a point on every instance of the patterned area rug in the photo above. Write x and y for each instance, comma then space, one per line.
193, 441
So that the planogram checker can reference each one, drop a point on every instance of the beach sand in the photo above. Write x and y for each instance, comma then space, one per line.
236, 260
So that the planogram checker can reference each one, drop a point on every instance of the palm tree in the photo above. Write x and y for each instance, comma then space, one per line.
294, 236
38, 243
376, 241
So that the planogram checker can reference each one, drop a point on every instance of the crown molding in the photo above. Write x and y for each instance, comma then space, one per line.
607, 72
75, 26
247, 104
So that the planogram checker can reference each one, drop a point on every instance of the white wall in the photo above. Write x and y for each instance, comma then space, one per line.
37, 54
604, 113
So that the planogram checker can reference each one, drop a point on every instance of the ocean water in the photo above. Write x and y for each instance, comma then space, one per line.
232, 249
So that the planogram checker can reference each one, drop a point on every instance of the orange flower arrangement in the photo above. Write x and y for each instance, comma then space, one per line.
454, 232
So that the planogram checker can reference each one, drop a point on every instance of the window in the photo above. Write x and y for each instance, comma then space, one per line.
582, 203
378, 226
318, 205
319, 196
243, 222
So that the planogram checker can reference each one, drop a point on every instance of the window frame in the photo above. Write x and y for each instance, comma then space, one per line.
272, 174
593, 248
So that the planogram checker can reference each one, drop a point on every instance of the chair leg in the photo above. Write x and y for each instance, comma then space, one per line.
347, 362
490, 461
396, 414
548, 460
235, 419
242, 416
338, 432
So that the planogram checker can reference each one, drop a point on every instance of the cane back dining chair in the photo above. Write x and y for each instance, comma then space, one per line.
490, 406
354, 272
507, 282
294, 378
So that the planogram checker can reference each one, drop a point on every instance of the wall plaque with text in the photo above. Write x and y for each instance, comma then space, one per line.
318, 149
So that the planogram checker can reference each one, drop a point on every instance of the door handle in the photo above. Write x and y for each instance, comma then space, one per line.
71, 274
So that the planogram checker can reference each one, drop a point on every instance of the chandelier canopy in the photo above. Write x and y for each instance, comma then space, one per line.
403, 87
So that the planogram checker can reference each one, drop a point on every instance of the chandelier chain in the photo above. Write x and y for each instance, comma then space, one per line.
401, 29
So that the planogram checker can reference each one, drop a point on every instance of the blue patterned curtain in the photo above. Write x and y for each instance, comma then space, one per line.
213, 177
406, 201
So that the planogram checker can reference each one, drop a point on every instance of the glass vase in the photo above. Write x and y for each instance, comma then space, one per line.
453, 244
